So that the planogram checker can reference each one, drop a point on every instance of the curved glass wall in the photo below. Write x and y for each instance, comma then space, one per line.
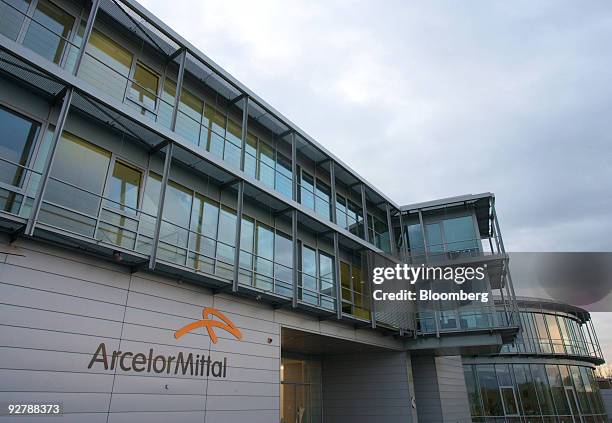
527, 392
545, 333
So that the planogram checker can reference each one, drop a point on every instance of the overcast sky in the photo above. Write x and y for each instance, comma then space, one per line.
433, 99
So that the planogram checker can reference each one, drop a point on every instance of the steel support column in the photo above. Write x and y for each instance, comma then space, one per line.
391, 232
370, 289
364, 210
239, 205
44, 177
95, 5
294, 238
332, 180
294, 166
160, 205
337, 277
179, 89
425, 246
245, 128
404, 239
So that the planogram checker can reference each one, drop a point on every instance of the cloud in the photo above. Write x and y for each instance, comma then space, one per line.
441, 98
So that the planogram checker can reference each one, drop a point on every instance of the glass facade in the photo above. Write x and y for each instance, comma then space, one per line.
316, 284
543, 392
18, 136
554, 334
443, 238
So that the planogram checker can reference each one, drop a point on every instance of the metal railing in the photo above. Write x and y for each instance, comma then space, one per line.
17, 25
265, 274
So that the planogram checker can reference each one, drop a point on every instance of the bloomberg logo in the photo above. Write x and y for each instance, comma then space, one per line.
182, 363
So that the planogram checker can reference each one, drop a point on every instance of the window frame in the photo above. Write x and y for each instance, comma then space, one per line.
76, 15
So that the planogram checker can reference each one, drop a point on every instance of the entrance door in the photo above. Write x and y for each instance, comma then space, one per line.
571, 399
295, 400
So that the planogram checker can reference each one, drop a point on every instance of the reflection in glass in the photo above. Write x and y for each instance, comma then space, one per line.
73, 194
48, 31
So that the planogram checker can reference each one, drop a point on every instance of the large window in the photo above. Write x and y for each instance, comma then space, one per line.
355, 300
118, 218
547, 333
378, 233
17, 139
143, 89
317, 278
315, 195
12, 16
49, 31
73, 194
447, 237
267, 164
106, 65
266, 258
543, 393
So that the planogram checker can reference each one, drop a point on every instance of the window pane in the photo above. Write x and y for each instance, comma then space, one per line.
434, 237
472, 391
189, 117
284, 176
106, 65
124, 188
164, 115
415, 240
111, 53
544, 393
489, 391
283, 269
82, 165
250, 157
460, 234
266, 164
322, 200
12, 15
144, 87
173, 232
307, 191
558, 392
526, 389
265, 257
17, 137
48, 30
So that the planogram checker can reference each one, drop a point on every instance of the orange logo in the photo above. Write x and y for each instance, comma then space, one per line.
209, 324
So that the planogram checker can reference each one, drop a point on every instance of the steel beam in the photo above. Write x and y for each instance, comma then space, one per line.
337, 277
95, 5
239, 206
332, 180
179, 89
44, 177
391, 233
404, 238
245, 128
372, 301
294, 166
425, 246
294, 238
160, 205
364, 210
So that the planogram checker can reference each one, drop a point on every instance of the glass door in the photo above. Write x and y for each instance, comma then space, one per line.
300, 391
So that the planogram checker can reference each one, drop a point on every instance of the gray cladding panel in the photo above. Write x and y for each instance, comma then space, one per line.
366, 388
58, 307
